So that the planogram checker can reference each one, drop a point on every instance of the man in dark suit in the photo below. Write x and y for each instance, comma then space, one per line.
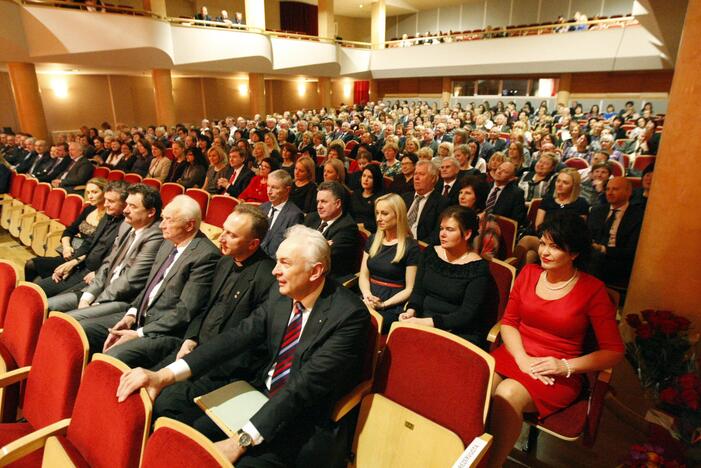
176, 292
323, 326
78, 172
241, 175
123, 274
27, 158
79, 269
505, 198
424, 204
58, 164
43, 158
615, 228
338, 227
281, 214
448, 185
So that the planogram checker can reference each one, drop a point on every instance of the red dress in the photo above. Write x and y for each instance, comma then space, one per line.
556, 328
256, 191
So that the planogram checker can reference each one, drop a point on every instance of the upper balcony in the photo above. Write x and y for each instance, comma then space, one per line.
57, 32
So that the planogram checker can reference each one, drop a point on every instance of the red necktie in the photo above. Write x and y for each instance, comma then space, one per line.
287, 350
233, 176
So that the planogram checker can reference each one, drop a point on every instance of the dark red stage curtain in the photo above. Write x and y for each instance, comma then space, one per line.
361, 92
299, 17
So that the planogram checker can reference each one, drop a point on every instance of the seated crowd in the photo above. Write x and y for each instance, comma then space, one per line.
407, 198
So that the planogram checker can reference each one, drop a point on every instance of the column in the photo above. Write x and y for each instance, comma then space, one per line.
25, 88
269, 105
156, 6
374, 94
255, 13
325, 91
667, 269
163, 91
446, 90
326, 19
256, 88
378, 24
563, 89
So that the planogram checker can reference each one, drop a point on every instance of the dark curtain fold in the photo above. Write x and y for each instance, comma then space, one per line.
361, 92
299, 17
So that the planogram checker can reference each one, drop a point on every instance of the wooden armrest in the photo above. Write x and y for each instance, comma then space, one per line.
473, 454
605, 375
14, 376
352, 282
350, 400
494, 332
31, 442
41, 224
513, 261
78, 188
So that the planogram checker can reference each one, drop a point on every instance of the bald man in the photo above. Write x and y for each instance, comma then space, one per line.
615, 228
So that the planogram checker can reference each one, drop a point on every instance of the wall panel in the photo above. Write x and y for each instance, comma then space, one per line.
524, 12
588, 7
551, 9
473, 15
87, 102
286, 95
617, 7
449, 18
498, 12
188, 100
428, 21
8, 115
407, 25
134, 99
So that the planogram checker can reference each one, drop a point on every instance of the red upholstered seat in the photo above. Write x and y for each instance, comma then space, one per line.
641, 162
13, 431
533, 210
350, 146
220, 206
71, 208
25, 195
577, 163
155, 183
54, 202
101, 171
617, 169
53, 380
115, 175
509, 232
40, 196
170, 190
103, 431
8, 281
175, 445
437, 375
16, 184
200, 196
132, 178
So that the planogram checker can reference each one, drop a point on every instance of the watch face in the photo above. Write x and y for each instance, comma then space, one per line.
244, 440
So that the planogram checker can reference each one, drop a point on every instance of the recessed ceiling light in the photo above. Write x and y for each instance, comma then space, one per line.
361, 5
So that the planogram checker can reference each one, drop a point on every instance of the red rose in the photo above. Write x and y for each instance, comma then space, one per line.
647, 313
644, 331
668, 326
688, 381
665, 314
690, 398
682, 323
669, 395
634, 320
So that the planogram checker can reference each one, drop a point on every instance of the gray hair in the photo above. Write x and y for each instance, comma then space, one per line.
312, 244
282, 176
432, 169
451, 160
187, 208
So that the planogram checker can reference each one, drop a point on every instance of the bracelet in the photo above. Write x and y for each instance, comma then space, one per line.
569, 369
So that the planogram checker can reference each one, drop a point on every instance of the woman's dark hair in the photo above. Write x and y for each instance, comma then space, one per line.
649, 168
465, 217
571, 233
274, 165
144, 142
480, 187
199, 160
412, 156
160, 146
377, 179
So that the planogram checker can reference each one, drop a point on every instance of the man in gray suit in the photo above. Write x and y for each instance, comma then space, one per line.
281, 214
124, 272
176, 292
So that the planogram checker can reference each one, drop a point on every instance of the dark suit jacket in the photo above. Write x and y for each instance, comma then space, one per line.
427, 229
343, 234
326, 364
185, 289
53, 170
236, 292
77, 175
42, 161
97, 249
289, 216
137, 265
618, 261
241, 182
511, 203
25, 163
452, 198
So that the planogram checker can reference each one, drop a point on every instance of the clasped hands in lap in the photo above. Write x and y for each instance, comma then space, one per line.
544, 369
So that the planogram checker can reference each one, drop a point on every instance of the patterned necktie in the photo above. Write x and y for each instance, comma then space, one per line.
492, 200
610, 236
121, 254
446, 190
157, 278
414, 210
322, 226
287, 350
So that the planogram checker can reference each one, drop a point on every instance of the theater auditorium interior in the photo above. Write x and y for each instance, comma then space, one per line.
334, 233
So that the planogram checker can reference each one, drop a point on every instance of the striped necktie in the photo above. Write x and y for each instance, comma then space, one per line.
287, 350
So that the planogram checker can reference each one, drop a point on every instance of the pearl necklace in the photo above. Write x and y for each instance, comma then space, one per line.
546, 283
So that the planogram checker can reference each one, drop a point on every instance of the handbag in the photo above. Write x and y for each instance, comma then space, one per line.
76, 242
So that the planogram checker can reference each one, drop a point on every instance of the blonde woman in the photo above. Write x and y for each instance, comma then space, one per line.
388, 270
565, 199
259, 152
411, 145
334, 171
391, 166
272, 145
219, 168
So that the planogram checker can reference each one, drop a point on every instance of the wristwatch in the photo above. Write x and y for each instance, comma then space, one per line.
245, 439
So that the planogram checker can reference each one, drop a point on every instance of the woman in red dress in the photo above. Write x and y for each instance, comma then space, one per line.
540, 365
257, 190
